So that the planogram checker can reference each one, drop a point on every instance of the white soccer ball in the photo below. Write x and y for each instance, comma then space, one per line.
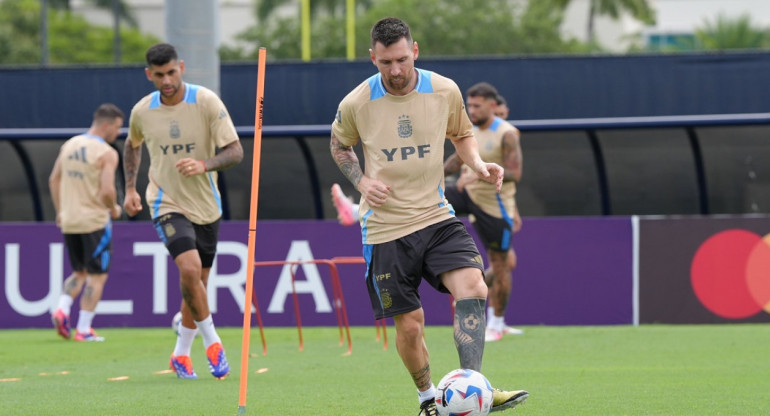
464, 392
176, 321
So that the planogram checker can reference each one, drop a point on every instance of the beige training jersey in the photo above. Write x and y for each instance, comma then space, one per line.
484, 194
194, 128
403, 143
81, 210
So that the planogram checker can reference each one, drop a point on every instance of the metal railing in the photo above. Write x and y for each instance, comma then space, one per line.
301, 133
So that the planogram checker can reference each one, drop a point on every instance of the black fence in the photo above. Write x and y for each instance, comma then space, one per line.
672, 165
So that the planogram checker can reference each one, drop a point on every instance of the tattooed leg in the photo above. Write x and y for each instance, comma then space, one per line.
410, 342
469, 326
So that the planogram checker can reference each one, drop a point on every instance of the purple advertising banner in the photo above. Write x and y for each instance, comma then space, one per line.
570, 272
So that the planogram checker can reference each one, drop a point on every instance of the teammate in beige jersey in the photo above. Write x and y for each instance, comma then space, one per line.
401, 116
182, 125
492, 213
83, 191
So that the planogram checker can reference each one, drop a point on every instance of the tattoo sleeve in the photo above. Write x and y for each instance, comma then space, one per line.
421, 378
132, 157
512, 160
346, 160
469, 326
229, 156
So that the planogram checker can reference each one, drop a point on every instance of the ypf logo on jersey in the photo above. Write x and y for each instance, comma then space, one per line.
730, 274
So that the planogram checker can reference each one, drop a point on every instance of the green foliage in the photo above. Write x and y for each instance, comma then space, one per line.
441, 28
731, 33
71, 38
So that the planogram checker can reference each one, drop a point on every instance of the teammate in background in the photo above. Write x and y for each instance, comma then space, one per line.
491, 212
83, 191
182, 125
401, 116
501, 109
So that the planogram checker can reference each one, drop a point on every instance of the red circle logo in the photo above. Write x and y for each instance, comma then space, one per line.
730, 274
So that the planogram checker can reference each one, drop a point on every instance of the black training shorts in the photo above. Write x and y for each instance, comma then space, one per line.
495, 233
396, 268
180, 235
90, 252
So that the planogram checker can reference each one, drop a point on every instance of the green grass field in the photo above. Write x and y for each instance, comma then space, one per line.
647, 370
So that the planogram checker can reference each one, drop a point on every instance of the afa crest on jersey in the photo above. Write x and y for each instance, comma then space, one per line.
404, 127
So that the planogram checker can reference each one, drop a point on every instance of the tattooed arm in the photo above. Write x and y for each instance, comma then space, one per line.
132, 157
373, 191
229, 156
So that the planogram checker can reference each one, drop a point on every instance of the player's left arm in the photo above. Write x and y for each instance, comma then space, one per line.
108, 163
512, 157
228, 156
54, 184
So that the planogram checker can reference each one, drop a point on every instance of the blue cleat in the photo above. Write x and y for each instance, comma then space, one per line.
182, 365
217, 361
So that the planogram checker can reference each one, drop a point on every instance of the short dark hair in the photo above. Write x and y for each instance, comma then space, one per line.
161, 54
389, 31
500, 100
483, 89
108, 112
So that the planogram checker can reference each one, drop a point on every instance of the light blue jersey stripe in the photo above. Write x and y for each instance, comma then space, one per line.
214, 192
156, 204
364, 227
506, 243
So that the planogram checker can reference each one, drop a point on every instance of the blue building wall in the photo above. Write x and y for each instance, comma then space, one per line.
308, 93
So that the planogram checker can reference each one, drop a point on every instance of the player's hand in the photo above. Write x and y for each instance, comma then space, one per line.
492, 173
190, 167
132, 203
58, 220
116, 211
374, 192
466, 176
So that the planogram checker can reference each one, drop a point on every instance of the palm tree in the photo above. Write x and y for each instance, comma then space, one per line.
638, 9
727, 33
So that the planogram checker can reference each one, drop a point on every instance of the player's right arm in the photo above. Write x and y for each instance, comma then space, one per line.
373, 191
54, 184
132, 158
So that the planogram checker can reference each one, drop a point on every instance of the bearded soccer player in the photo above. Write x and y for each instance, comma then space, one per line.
182, 125
401, 116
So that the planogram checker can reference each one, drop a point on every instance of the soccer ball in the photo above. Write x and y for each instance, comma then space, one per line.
176, 322
463, 392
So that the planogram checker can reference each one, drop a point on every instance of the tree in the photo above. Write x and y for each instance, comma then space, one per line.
68, 33
726, 33
440, 26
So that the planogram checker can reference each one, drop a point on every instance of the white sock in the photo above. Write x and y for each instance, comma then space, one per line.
85, 318
496, 323
427, 394
208, 332
184, 340
65, 303
490, 314
355, 212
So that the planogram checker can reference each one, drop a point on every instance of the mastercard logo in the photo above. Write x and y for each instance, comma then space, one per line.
730, 274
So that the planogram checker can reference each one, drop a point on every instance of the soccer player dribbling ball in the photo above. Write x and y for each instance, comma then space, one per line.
182, 125
401, 116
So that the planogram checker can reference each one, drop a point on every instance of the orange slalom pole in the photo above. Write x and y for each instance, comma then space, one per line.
252, 229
